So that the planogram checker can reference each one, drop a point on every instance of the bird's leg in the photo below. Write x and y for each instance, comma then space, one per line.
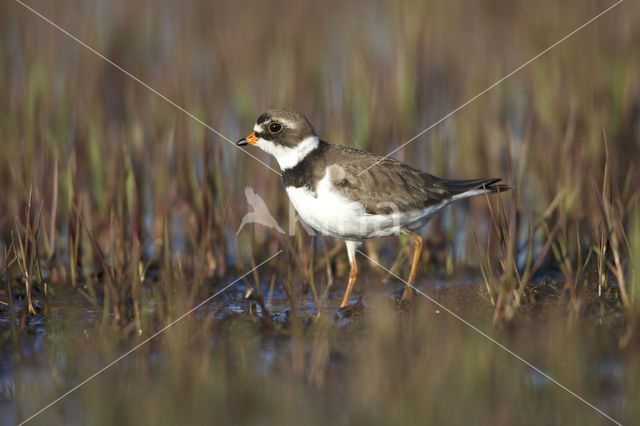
353, 273
417, 249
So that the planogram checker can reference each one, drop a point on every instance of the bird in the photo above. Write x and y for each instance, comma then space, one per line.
355, 195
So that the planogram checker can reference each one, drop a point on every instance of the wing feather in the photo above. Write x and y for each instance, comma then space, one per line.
392, 183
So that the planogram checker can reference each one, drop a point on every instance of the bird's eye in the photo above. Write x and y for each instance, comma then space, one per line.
275, 127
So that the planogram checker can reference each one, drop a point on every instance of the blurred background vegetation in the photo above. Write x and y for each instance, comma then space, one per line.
118, 212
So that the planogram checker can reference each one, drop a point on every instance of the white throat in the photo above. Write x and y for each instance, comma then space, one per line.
289, 157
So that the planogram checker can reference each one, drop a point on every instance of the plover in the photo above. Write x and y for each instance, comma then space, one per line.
326, 186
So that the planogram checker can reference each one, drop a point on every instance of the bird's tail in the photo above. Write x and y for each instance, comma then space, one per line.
468, 188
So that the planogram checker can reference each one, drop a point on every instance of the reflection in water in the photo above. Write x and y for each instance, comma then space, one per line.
45, 360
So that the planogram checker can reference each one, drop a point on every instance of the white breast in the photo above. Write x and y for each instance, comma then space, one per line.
331, 213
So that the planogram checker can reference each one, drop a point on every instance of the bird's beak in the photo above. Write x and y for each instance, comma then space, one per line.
249, 140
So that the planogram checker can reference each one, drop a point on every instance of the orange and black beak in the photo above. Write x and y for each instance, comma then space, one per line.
249, 140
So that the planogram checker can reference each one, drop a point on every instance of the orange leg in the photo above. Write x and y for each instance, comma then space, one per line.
352, 280
353, 273
417, 249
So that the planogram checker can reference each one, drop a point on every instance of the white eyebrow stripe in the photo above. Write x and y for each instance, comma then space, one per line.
289, 124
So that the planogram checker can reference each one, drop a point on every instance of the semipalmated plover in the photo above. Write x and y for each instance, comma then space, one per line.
325, 184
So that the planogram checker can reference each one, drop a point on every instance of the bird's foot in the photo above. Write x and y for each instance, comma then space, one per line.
404, 304
351, 310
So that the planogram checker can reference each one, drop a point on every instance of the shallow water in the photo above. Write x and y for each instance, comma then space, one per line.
43, 362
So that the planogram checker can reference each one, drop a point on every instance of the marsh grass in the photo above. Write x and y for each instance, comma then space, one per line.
119, 213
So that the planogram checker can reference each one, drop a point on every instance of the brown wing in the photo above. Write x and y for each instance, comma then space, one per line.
392, 183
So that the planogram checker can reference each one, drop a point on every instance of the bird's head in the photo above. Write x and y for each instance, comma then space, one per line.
285, 134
